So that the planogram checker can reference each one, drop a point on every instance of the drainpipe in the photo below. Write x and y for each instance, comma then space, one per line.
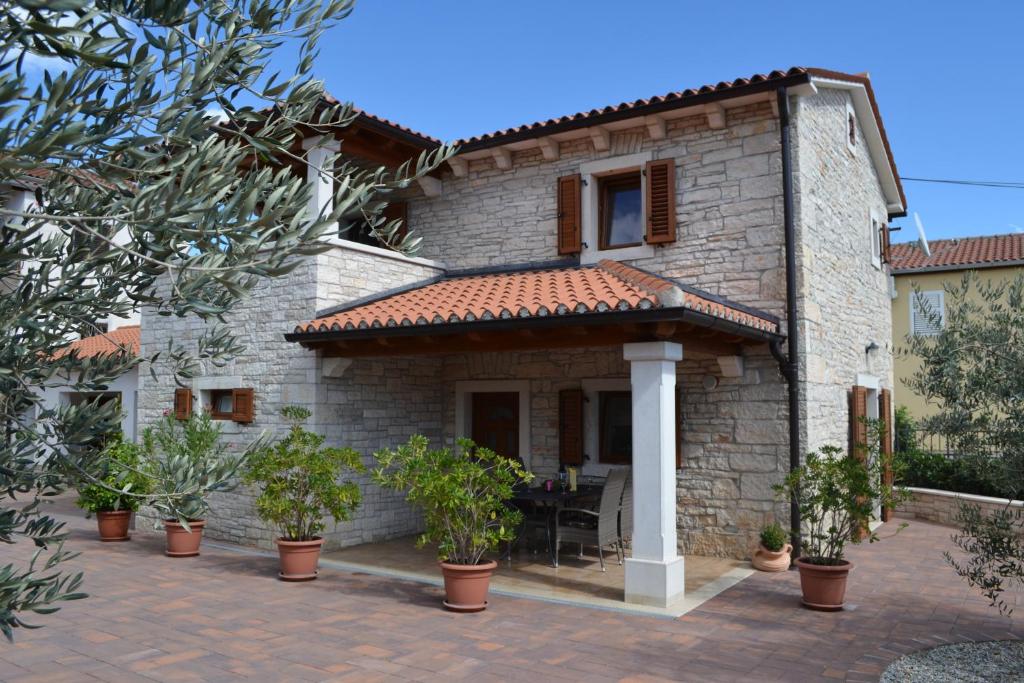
789, 362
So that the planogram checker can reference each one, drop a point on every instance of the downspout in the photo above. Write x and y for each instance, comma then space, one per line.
789, 362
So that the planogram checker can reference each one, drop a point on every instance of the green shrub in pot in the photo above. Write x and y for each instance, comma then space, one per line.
301, 483
117, 492
464, 495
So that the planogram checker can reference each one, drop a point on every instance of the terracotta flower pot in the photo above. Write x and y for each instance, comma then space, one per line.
299, 559
771, 560
823, 585
181, 543
113, 525
466, 585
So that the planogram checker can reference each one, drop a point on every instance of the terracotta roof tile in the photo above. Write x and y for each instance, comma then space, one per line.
721, 87
123, 338
567, 290
960, 252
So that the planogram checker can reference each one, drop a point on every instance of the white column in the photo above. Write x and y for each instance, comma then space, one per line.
654, 573
318, 153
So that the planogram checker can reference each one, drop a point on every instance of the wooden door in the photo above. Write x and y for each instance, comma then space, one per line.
496, 422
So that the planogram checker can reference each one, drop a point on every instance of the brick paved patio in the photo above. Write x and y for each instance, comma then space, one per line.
223, 616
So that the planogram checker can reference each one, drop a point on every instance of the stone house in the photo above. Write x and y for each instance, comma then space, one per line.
605, 289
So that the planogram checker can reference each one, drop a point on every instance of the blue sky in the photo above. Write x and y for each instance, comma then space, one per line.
949, 76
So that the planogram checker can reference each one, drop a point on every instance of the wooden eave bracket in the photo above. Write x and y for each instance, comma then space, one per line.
502, 158
656, 127
549, 148
460, 167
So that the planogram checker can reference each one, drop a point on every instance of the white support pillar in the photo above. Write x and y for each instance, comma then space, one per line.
318, 152
654, 574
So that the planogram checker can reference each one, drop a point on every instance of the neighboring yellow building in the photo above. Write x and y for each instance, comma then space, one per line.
998, 257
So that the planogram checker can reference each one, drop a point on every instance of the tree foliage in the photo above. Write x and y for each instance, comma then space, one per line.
300, 480
161, 148
464, 494
973, 372
122, 482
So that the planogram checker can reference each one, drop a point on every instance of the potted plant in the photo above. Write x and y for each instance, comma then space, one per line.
186, 462
836, 493
300, 482
464, 495
115, 494
772, 554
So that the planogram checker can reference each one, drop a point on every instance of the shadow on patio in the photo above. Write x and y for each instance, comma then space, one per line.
576, 581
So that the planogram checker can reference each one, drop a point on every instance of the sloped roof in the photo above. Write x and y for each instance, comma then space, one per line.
959, 253
125, 338
569, 290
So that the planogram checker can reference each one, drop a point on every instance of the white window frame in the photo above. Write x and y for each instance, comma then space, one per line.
592, 466
942, 311
464, 391
875, 227
590, 173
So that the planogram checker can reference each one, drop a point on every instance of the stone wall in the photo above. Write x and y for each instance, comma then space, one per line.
844, 299
942, 506
363, 409
734, 435
728, 201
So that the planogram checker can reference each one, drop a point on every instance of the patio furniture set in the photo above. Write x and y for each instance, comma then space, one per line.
598, 514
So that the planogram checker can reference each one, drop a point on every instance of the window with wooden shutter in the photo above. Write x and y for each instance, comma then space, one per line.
242, 405
570, 426
182, 404
885, 413
570, 215
858, 426
661, 201
886, 244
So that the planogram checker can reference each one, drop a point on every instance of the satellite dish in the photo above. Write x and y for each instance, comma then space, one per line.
922, 239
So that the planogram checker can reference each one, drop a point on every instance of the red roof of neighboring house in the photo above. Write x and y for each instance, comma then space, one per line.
556, 291
960, 253
123, 338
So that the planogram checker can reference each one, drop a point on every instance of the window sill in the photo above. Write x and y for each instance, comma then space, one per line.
626, 253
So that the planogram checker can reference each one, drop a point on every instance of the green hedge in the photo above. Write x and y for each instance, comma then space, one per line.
966, 474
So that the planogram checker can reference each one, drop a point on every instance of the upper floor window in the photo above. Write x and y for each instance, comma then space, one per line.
851, 128
362, 234
927, 312
620, 211
875, 238
619, 207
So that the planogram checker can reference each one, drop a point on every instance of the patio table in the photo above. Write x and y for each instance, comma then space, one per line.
554, 500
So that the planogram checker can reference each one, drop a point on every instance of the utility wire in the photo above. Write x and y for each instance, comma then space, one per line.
974, 183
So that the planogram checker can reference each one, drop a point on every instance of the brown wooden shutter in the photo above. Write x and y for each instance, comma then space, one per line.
570, 215
570, 426
661, 201
885, 412
398, 211
886, 244
241, 405
859, 434
858, 429
182, 404
679, 427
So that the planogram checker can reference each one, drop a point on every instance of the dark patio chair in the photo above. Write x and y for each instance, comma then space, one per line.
587, 527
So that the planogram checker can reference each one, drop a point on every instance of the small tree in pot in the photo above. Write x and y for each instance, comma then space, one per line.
464, 495
300, 482
186, 462
115, 495
837, 493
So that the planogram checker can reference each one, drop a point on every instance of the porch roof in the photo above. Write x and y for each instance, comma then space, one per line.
607, 302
